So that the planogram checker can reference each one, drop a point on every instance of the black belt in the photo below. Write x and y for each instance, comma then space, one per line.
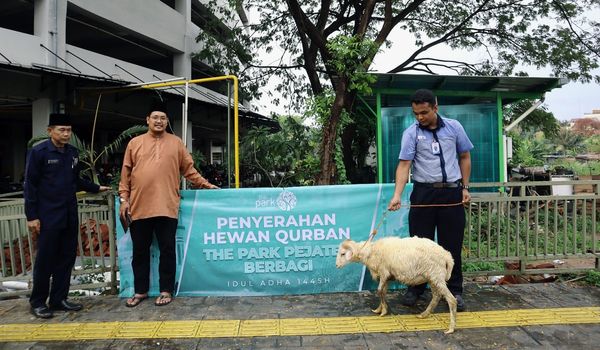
455, 184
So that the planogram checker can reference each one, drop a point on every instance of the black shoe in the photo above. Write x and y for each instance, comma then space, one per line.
66, 305
460, 303
41, 312
410, 298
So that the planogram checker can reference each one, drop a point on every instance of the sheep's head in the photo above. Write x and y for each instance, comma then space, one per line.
347, 253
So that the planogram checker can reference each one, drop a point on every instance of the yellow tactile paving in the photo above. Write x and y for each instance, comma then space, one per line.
340, 325
218, 328
136, 330
300, 326
291, 326
259, 328
413, 323
97, 330
178, 329
381, 324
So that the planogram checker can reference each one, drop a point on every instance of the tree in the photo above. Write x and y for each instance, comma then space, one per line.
326, 47
593, 144
568, 142
283, 158
586, 127
529, 149
538, 120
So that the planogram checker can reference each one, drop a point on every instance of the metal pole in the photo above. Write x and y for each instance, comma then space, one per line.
525, 114
236, 135
236, 148
379, 141
228, 134
184, 120
112, 244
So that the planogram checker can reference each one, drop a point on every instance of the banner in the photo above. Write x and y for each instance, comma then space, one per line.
271, 241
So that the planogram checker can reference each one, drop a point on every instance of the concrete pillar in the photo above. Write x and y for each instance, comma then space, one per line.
182, 62
40, 112
49, 23
185, 8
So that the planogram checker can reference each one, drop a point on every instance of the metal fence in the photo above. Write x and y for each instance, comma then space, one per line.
511, 222
96, 265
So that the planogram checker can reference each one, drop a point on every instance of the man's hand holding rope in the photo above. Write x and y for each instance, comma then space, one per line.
395, 203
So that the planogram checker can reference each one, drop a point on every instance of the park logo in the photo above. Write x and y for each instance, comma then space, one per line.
286, 200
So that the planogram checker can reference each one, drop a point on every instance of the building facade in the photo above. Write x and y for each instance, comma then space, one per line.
68, 55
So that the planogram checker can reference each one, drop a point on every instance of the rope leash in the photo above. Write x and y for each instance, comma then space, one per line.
374, 232
431, 205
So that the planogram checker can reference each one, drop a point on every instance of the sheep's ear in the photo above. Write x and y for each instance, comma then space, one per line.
349, 255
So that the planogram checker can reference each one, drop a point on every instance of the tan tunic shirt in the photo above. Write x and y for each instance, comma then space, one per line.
150, 176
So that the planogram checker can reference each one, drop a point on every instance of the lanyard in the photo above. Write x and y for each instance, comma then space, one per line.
441, 155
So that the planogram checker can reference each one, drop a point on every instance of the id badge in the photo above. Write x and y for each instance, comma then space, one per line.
435, 147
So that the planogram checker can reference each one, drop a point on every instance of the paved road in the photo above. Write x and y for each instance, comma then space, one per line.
529, 329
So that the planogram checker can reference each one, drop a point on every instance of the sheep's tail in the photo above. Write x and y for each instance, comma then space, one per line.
449, 265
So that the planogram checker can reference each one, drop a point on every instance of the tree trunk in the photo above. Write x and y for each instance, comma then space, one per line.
327, 175
348, 138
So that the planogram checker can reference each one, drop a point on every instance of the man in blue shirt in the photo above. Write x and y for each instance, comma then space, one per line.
439, 151
51, 182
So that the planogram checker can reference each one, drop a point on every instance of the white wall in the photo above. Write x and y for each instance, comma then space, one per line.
108, 65
20, 48
151, 19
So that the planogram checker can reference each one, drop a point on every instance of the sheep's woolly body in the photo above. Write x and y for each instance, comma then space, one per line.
408, 260
411, 261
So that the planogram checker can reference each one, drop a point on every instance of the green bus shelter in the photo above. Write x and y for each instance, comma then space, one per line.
475, 101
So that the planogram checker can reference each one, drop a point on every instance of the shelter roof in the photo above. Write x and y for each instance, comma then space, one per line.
98, 84
458, 89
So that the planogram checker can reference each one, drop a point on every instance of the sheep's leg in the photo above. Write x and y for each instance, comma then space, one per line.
380, 306
438, 290
382, 309
452, 306
435, 299
378, 309
443, 290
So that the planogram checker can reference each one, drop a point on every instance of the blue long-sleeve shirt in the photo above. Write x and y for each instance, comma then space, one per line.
52, 180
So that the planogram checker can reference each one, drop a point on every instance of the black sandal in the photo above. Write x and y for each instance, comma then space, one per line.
136, 300
162, 299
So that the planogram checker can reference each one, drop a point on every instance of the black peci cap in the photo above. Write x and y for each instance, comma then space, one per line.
158, 106
59, 119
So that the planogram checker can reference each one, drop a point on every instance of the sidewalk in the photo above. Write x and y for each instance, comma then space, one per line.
555, 316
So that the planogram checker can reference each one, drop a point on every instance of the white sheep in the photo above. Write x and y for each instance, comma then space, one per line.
412, 261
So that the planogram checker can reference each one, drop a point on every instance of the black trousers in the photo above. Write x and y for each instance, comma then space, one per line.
449, 222
56, 251
142, 233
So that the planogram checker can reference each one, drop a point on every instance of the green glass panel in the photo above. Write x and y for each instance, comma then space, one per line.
480, 123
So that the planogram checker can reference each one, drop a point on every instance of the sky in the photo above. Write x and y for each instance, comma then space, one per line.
573, 100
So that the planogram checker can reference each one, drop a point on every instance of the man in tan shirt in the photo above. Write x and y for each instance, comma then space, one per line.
149, 193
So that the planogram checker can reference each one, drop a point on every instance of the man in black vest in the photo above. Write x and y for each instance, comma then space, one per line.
51, 182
